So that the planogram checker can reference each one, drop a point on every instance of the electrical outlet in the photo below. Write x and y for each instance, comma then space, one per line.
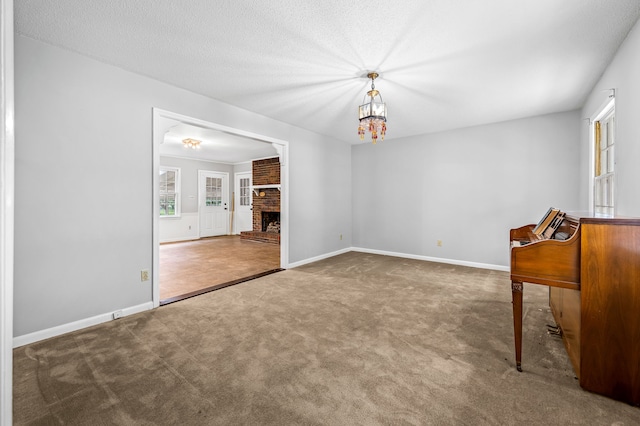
340, 237
144, 275
117, 314
439, 243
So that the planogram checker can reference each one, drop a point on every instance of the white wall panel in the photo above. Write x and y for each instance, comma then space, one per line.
183, 228
465, 187
84, 184
623, 76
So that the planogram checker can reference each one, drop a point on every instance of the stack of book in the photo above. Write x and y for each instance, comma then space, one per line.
549, 223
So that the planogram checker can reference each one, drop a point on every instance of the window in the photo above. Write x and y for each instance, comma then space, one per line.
169, 192
604, 173
245, 195
213, 196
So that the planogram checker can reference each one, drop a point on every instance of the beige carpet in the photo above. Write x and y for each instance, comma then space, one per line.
357, 339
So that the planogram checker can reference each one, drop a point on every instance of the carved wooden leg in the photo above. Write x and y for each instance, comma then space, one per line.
516, 291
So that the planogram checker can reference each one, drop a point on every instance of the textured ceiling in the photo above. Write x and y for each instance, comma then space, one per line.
444, 64
215, 145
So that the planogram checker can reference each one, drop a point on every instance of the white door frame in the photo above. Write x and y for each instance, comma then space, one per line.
7, 196
162, 121
236, 197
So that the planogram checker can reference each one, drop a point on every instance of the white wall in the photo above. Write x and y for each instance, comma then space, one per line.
465, 187
623, 74
84, 177
243, 167
75, 116
323, 197
185, 227
189, 178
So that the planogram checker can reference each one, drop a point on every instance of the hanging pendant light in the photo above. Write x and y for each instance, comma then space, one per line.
373, 114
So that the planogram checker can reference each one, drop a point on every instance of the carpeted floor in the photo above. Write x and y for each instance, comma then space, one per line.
356, 339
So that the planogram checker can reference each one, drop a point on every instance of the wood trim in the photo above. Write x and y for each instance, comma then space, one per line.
217, 287
617, 220
551, 283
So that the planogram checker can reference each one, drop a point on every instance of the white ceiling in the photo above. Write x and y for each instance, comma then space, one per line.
444, 64
215, 145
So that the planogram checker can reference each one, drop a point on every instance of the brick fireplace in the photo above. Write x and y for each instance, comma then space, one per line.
266, 202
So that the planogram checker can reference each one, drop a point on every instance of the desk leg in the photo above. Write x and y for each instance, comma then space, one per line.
516, 291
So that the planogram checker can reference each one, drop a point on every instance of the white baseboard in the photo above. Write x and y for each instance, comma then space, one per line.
98, 319
403, 255
178, 240
315, 259
433, 259
76, 325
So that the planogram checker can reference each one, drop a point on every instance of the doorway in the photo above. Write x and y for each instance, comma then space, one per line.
219, 224
242, 204
213, 203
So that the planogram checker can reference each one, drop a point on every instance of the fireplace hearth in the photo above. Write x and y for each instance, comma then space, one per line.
271, 222
265, 202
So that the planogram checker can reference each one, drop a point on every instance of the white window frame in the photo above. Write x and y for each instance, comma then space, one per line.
177, 192
244, 196
604, 113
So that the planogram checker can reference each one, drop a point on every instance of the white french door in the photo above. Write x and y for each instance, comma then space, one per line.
213, 203
243, 214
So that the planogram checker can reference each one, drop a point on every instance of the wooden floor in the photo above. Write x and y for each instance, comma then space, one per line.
188, 267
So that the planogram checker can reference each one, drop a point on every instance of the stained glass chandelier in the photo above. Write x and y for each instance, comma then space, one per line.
373, 113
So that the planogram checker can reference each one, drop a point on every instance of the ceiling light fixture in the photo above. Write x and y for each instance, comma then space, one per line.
191, 143
373, 114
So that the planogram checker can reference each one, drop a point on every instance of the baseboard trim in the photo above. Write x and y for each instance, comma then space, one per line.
403, 255
321, 257
433, 259
76, 325
98, 319
179, 240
